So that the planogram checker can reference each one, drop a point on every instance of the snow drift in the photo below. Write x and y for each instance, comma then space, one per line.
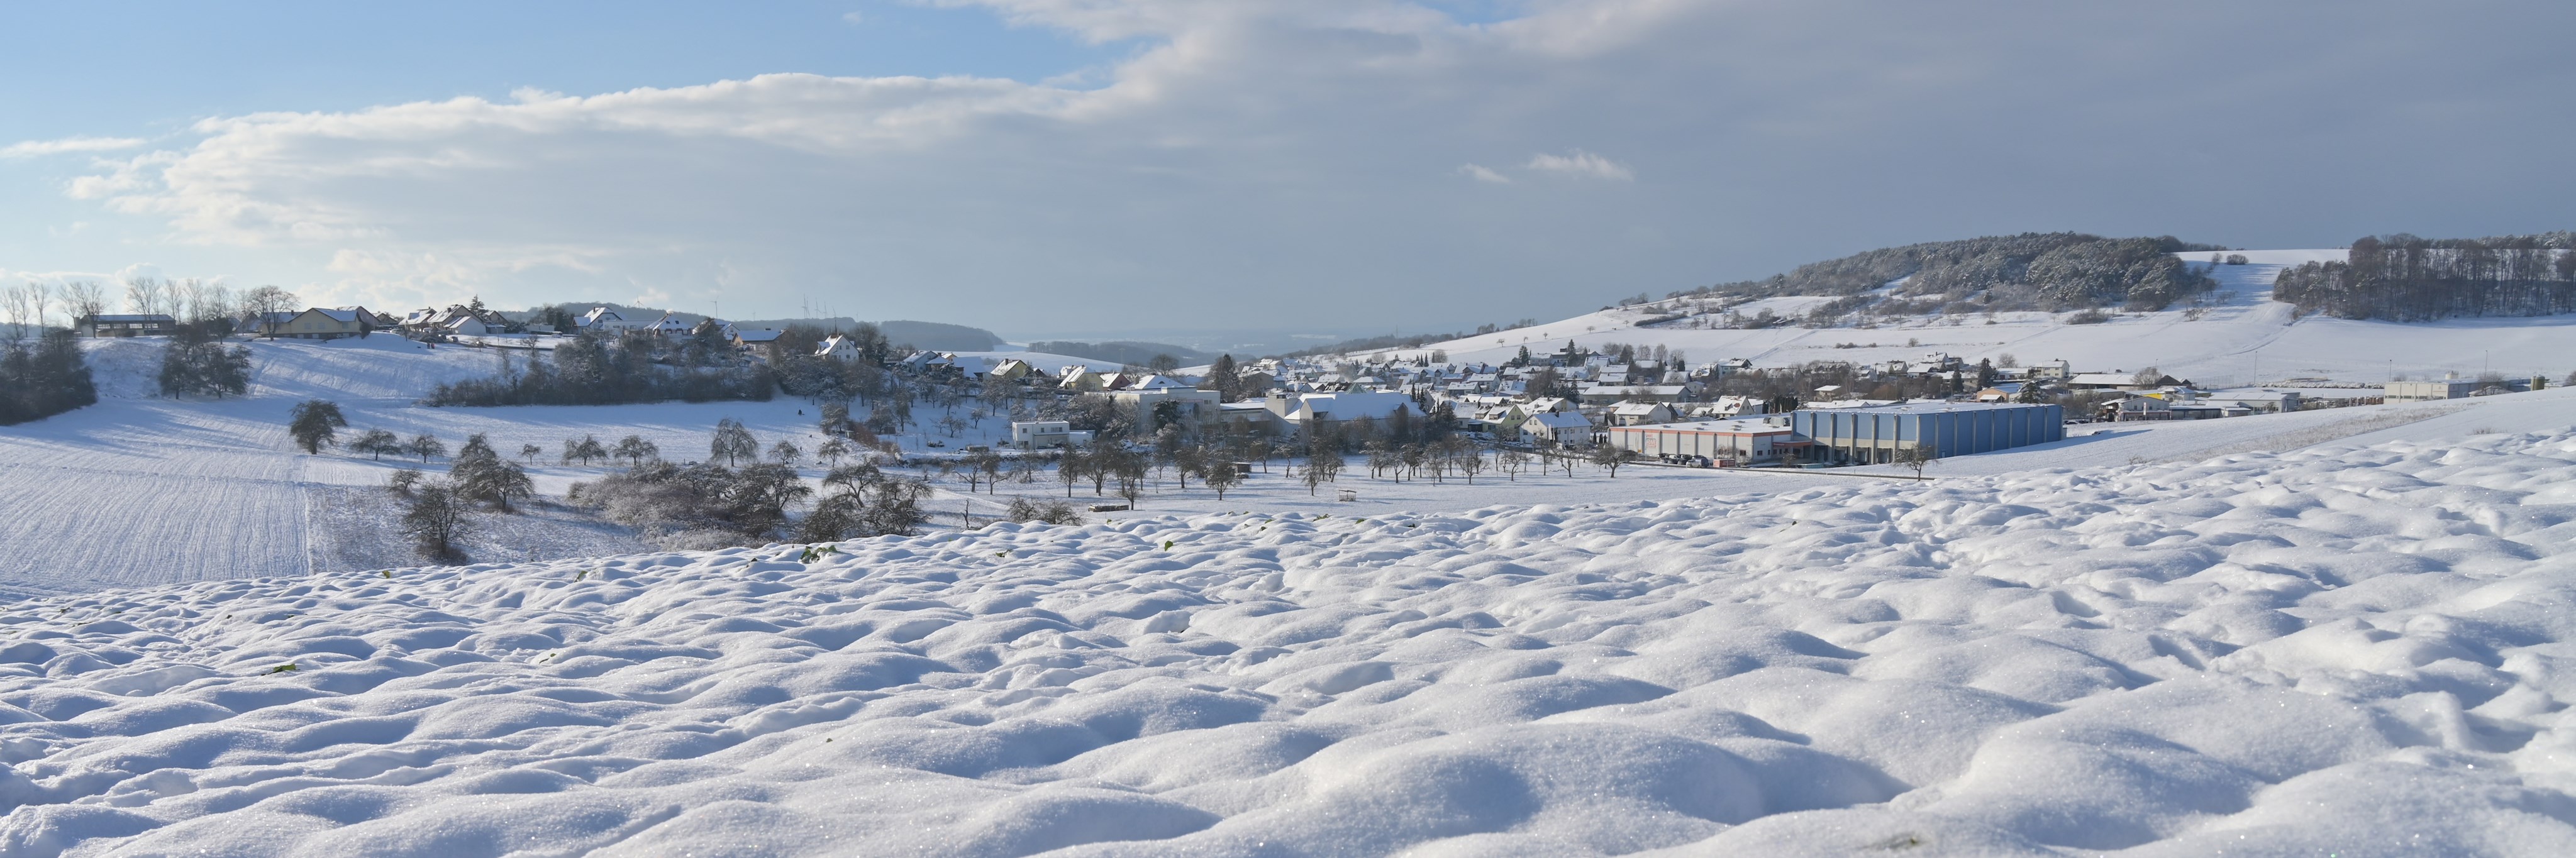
2364, 650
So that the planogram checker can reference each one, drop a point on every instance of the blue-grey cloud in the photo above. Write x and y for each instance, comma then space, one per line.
1327, 161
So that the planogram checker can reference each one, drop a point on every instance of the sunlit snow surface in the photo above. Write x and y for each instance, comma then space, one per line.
2363, 652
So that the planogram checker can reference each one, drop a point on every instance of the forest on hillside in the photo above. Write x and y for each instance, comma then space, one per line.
2405, 278
2031, 271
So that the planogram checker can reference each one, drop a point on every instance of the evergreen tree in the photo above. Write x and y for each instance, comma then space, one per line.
1225, 379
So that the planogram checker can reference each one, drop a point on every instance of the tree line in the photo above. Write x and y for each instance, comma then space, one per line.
2406, 278
43, 378
2055, 271
598, 369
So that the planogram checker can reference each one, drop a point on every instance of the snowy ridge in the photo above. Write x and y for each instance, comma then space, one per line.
2364, 649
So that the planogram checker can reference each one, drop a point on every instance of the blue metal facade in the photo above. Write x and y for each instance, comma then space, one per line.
1867, 435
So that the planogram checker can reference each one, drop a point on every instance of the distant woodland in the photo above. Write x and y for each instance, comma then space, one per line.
2404, 278
2033, 271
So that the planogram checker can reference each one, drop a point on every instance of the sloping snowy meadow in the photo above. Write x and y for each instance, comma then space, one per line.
2357, 651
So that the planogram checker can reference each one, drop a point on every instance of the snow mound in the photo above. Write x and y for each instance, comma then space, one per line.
2367, 650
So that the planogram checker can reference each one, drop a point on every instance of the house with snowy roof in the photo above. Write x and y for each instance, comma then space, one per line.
670, 325
1081, 379
1635, 413
328, 324
602, 320
1303, 412
758, 341
1546, 429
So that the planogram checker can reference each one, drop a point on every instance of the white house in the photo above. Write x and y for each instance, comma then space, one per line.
603, 320
1563, 429
1640, 413
1044, 434
1307, 410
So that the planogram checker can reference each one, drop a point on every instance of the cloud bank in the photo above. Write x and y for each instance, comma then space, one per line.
1309, 156
39, 148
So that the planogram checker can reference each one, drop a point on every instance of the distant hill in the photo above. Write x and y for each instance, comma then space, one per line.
1123, 351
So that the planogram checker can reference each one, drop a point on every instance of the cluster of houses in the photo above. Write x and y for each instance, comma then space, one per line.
1636, 406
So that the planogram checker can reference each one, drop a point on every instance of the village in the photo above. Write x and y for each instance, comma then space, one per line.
1608, 404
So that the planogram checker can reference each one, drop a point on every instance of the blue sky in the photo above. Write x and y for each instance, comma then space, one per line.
1045, 166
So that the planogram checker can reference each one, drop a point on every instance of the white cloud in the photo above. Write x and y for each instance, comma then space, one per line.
37, 148
853, 18
1581, 163
1243, 137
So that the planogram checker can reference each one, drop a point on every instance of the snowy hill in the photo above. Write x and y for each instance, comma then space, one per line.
2242, 336
2359, 650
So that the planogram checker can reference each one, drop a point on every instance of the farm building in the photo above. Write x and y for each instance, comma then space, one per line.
1874, 435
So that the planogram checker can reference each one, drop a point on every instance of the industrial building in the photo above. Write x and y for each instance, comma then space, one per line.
2427, 391
1874, 435
1735, 441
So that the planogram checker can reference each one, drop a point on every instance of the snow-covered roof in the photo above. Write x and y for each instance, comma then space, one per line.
1722, 427
1350, 405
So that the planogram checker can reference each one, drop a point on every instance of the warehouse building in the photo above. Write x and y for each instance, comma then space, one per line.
2427, 391
1736, 442
1874, 435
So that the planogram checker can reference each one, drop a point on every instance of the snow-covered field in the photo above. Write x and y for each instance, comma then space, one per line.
2244, 336
2356, 651
140, 490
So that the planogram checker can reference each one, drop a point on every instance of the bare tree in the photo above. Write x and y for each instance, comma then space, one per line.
634, 449
1916, 458
733, 442
84, 299
262, 302
14, 303
1611, 456
146, 295
1221, 475
1469, 460
436, 518
378, 442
